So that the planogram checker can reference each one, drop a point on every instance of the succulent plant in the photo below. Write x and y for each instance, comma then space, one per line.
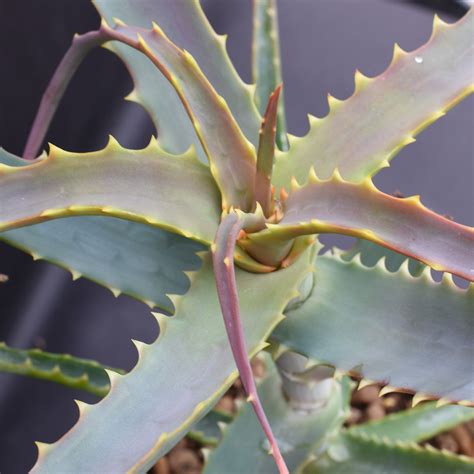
220, 215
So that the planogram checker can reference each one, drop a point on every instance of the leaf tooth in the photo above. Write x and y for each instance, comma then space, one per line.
75, 274
360, 81
312, 176
222, 427
132, 96
140, 346
368, 184
398, 52
420, 397
294, 184
365, 383
438, 24
55, 151
113, 377
36, 256
113, 144
43, 448
333, 102
388, 389
313, 120
443, 402
115, 291
206, 452
51, 212
337, 177
157, 30
83, 406
117, 21
415, 200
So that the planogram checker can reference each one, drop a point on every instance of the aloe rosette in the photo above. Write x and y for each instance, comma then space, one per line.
240, 241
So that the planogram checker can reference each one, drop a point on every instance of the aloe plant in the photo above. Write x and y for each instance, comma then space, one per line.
220, 216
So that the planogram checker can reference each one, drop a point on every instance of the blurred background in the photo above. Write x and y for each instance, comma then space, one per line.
323, 42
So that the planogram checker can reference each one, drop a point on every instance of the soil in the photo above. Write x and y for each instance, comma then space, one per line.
187, 458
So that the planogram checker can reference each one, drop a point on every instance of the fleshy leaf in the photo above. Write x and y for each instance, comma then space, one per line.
348, 454
105, 183
184, 22
405, 326
361, 134
128, 257
417, 424
223, 264
231, 156
243, 448
266, 153
177, 379
361, 210
64, 369
267, 62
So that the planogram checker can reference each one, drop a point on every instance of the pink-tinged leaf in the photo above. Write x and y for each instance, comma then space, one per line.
361, 134
361, 210
266, 153
185, 23
231, 156
173, 192
223, 263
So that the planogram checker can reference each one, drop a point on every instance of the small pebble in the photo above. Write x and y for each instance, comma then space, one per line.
375, 410
464, 440
226, 403
447, 441
184, 461
366, 395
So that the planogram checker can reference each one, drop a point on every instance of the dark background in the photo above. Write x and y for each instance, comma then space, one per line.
323, 41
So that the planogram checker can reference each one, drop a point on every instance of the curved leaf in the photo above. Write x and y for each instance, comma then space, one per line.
361, 134
267, 62
417, 424
141, 185
231, 155
142, 261
184, 22
350, 454
64, 369
223, 264
361, 210
405, 326
177, 379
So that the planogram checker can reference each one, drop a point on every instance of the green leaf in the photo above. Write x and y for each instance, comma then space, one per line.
142, 261
356, 454
231, 155
267, 62
64, 369
105, 183
207, 431
177, 379
371, 254
414, 425
361, 210
184, 22
243, 448
361, 134
405, 326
